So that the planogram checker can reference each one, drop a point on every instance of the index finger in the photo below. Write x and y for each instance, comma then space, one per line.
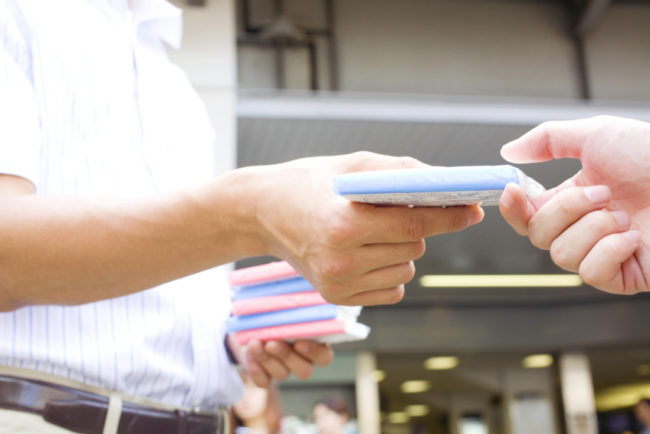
318, 353
371, 224
551, 140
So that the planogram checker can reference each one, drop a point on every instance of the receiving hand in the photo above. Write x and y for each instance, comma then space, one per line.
596, 223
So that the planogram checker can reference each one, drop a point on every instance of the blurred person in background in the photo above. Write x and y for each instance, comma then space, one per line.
642, 413
259, 411
596, 223
332, 416
113, 225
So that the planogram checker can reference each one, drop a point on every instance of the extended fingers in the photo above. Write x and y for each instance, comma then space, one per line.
369, 224
341, 267
381, 286
383, 262
377, 297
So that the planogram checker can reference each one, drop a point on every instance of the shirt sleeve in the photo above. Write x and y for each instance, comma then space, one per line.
20, 132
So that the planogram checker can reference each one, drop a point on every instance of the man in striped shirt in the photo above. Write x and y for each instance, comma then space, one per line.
113, 228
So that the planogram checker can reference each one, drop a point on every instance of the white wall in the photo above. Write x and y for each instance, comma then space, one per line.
460, 47
510, 48
207, 55
619, 53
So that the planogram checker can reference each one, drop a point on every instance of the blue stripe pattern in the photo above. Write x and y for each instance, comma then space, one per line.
442, 179
280, 287
287, 316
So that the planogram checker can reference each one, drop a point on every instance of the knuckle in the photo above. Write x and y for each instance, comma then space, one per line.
589, 274
460, 220
419, 249
409, 272
456, 219
537, 239
360, 159
336, 267
416, 228
407, 162
565, 204
603, 118
331, 293
545, 129
363, 155
305, 372
395, 296
561, 256
601, 221
338, 231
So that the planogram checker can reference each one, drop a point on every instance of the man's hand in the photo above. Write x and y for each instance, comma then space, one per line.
83, 249
353, 253
596, 223
276, 360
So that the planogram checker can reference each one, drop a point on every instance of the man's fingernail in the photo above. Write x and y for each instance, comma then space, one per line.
622, 218
476, 217
633, 235
598, 194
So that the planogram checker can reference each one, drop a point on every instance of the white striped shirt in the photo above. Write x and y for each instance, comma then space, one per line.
90, 105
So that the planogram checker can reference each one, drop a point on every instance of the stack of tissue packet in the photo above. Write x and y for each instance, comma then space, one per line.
273, 302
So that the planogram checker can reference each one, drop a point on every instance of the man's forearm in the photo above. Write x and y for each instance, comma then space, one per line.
65, 250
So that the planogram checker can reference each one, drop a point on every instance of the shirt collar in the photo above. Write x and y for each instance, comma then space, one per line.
161, 17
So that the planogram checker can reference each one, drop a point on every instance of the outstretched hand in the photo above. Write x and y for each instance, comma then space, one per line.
597, 223
353, 253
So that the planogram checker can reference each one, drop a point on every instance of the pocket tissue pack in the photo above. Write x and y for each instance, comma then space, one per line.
273, 302
435, 186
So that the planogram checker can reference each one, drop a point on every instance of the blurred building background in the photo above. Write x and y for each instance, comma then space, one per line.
448, 82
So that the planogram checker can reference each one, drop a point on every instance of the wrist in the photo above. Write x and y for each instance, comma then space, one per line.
235, 197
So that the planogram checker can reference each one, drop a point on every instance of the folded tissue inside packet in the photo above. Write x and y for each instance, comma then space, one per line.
436, 186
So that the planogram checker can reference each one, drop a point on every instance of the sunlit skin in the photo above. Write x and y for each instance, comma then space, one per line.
597, 223
65, 250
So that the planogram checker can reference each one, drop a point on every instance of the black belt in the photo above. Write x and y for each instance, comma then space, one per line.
85, 412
